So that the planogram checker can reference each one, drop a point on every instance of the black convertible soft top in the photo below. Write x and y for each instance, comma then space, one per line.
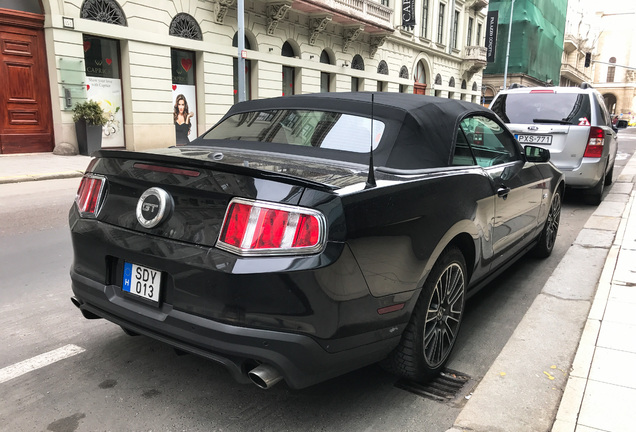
420, 130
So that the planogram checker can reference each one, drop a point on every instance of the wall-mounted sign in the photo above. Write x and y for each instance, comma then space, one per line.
408, 13
68, 23
491, 35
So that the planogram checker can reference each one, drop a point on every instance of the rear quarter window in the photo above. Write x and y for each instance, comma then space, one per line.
529, 108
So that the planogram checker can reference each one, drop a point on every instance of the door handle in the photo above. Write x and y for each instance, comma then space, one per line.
503, 191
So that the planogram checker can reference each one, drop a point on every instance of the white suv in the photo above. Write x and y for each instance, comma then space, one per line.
571, 122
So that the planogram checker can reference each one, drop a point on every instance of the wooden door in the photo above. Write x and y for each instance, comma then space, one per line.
419, 88
26, 123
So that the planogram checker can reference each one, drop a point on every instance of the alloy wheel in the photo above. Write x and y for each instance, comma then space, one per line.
443, 315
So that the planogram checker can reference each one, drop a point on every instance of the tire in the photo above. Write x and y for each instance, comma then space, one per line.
595, 195
432, 331
547, 239
609, 175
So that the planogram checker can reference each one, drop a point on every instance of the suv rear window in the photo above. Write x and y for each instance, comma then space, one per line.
327, 130
528, 108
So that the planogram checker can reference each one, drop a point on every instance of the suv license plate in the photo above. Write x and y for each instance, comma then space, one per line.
534, 139
141, 281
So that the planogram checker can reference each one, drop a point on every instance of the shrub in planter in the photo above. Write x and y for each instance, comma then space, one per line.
89, 118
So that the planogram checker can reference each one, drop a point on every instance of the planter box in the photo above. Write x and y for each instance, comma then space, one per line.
89, 137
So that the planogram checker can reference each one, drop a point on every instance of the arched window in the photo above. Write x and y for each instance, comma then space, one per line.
357, 63
287, 50
383, 68
325, 77
248, 70
404, 72
325, 57
107, 11
611, 70
185, 26
420, 73
463, 84
419, 87
451, 82
438, 79
474, 86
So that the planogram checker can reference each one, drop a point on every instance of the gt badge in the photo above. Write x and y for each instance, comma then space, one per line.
153, 207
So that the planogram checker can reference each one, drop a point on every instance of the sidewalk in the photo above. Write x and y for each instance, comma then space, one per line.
40, 166
569, 365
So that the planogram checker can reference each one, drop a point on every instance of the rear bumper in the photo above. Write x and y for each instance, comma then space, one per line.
587, 175
300, 359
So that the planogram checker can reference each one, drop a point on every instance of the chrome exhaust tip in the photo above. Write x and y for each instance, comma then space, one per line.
264, 376
76, 302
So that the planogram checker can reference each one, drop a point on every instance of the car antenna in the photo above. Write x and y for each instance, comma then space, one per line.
371, 176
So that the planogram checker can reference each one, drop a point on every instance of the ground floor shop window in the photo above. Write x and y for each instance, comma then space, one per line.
103, 85
184, 95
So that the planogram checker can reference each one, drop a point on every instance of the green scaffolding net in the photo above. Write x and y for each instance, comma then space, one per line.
536, 41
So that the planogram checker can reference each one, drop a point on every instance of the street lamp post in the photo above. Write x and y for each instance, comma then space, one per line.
512, 7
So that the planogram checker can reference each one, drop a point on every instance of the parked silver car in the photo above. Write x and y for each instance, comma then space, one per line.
573, 123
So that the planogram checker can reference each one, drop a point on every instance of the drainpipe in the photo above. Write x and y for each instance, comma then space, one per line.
241, 49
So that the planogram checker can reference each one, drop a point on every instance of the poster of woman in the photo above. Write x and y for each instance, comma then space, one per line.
183, 120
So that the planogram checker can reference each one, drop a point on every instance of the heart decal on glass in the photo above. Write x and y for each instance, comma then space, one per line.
186, 64
87, 45
88, 86
174, 87
108, 61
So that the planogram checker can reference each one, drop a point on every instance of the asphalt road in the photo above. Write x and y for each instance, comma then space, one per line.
106, 380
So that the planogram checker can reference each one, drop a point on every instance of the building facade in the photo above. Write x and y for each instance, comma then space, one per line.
533, 53
582, 32
138, 59
615, 61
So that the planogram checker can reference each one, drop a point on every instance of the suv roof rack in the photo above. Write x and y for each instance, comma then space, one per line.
586, 85
515, 85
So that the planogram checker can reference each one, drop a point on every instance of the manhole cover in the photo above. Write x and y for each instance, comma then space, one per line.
448, 386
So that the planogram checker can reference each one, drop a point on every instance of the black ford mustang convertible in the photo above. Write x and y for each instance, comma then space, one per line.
306, 236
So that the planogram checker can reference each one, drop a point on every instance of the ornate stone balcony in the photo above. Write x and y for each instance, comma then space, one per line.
371, 15
574, 74
477, 4
474, 59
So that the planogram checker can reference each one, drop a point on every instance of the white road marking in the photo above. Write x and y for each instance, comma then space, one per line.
37, 362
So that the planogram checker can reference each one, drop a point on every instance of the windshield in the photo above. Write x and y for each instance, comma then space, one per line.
528, 108
322, 129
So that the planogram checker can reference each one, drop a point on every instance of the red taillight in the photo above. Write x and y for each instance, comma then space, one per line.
594, 148
541, 91
258, 228
89, 195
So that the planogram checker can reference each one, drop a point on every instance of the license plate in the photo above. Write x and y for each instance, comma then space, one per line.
534, 139
141, 281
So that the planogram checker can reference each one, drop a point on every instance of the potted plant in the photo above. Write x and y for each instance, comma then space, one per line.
89, 118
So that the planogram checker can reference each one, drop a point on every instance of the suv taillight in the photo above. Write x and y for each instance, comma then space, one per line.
594, 148
259, 228
89, 195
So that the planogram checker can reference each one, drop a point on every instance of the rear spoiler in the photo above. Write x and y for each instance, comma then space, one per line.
200, 160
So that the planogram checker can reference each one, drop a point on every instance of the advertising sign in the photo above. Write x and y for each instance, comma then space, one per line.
491, 35
408, 13
183, 96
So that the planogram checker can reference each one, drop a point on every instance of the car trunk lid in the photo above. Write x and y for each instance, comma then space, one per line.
200, 184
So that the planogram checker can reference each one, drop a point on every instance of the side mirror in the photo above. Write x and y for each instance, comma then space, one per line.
536, 154
621, 124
